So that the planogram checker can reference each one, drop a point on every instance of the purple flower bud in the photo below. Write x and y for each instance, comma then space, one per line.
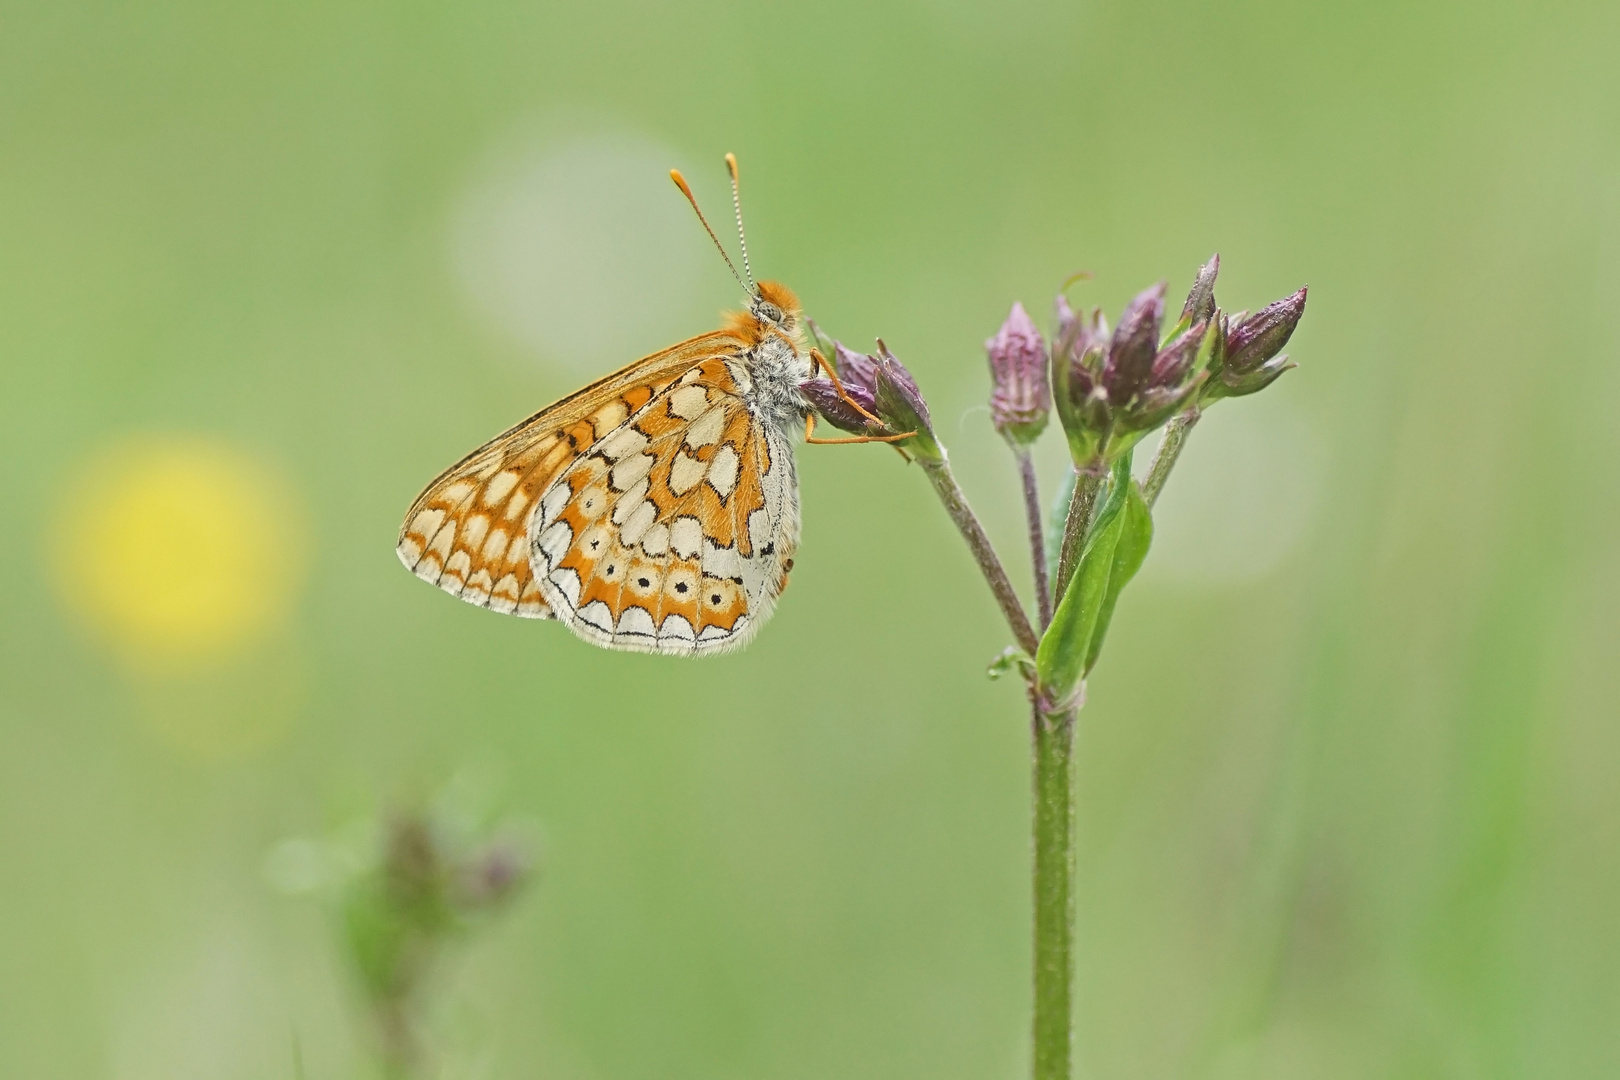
900, 405
1135, 344
494, 875
1077, 363
1076, 334
855, 369
1066, 318
1176, 359
1200, 305
883, 387
1020, 396
1173, 378
824, 398
1257, 338
1111, 391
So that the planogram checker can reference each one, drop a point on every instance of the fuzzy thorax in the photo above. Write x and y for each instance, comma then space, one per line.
777, 360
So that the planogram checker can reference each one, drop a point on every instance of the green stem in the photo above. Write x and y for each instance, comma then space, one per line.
1053, 1034
1082, 507
1175, 437
956, 505
1037, 535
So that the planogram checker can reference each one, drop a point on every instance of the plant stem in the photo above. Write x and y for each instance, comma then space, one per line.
1082, 504
1053, 1034
1056, 517
939, 474
1175, 437
1037, 536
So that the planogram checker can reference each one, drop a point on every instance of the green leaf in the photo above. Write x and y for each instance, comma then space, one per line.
1011, 660
1135, 537
1061, 660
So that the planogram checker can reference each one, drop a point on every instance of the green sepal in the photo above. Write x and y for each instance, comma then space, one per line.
1182, 326
1065, 648
1135, 537
1124, 442
822, 343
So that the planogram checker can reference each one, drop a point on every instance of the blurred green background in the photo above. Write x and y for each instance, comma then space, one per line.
1348, 768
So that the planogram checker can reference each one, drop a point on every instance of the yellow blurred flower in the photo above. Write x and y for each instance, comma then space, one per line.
179, 551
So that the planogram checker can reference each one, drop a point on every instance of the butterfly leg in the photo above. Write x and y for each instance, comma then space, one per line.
838, 385
810, 427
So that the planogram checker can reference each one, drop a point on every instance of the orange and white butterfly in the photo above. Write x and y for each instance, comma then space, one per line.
657, 509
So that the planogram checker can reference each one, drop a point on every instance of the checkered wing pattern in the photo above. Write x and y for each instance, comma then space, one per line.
470, 532
674, 532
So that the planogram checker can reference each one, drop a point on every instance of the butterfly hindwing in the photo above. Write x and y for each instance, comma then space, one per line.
672, 532
469, 531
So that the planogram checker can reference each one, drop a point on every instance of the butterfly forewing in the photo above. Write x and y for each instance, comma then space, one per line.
670, 534
469, 531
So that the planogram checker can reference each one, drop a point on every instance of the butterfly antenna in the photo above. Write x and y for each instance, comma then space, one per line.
736, 207
680, 182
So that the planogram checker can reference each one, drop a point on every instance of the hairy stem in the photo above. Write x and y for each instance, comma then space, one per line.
1037, 536
939, 474
1175, 437
1054, 837
1082, 505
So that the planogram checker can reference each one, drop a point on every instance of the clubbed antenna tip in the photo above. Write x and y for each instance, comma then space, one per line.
736, 206
686, 189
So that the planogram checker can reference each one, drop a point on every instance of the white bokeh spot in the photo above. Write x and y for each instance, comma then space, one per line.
581, 249
1242, 497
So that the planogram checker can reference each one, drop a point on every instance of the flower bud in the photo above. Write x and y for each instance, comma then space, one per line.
1020, 396
493, 875
1200, 305
1113, 390
1135, 343
1259, 337
823, 396
1176, 360
900, 405
1077, 335
1248, 357
855, 369
884, 388
858, 374
1077, 359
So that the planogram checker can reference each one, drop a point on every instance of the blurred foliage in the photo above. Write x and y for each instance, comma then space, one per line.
1347, 799
405, 891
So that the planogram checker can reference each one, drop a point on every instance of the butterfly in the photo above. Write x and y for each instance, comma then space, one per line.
655, 510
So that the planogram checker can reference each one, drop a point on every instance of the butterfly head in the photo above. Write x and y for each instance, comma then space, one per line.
774, 304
